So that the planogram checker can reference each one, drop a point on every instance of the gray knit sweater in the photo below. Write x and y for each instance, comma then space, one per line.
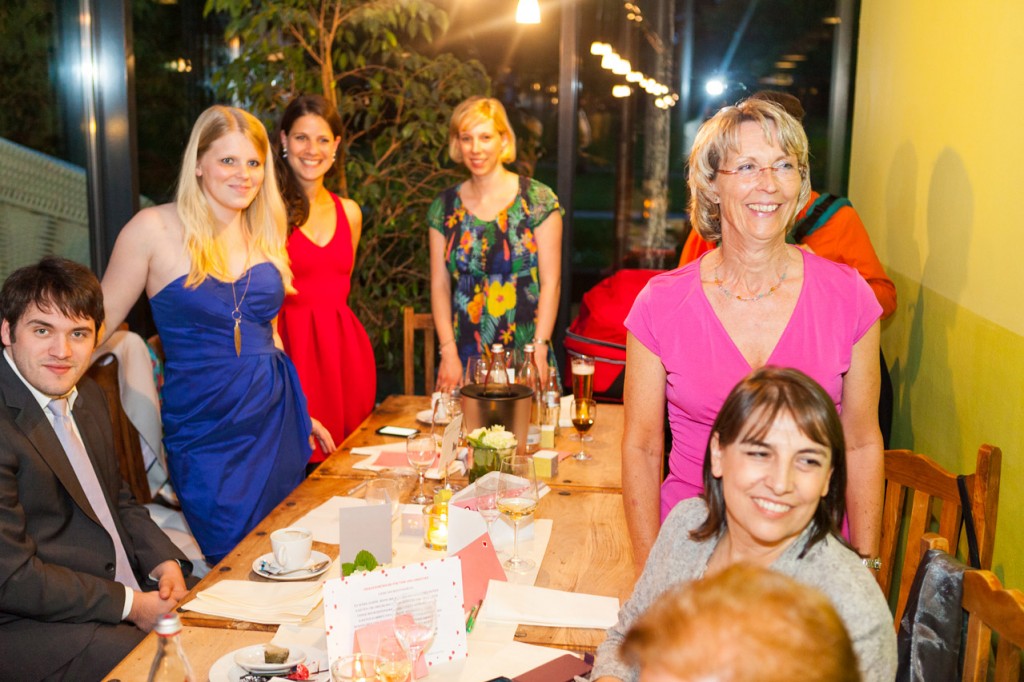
828, 565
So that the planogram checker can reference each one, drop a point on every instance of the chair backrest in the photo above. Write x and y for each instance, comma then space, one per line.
126, 437
414, 321
933, 494
990, 607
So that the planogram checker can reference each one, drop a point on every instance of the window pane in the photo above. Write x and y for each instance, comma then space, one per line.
43, 197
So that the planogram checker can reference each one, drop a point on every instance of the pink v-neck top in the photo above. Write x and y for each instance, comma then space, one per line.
673, 318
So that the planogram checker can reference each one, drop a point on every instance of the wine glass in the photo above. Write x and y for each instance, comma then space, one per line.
583, 413
476, 369
355, 668
517, 499
421, 451
392, 662
415, 631
487, 498
384, 491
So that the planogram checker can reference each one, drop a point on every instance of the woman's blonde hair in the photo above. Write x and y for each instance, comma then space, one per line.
718, 136
477, 110
265, 219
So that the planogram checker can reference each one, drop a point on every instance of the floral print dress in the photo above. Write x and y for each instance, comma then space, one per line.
493, 264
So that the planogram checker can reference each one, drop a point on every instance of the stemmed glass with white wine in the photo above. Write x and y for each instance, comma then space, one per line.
517, 499
421, 451
583, 413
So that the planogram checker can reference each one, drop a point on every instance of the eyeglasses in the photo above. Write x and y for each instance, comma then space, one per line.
785, 171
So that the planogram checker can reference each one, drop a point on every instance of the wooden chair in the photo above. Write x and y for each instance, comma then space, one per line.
933, 494
126, 436
990, 607
413, 322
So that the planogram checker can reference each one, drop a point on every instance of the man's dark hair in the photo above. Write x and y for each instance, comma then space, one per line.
53, 282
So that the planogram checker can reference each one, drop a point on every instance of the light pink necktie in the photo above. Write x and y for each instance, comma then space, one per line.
80, 462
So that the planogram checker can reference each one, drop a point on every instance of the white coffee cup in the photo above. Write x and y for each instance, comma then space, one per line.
292, 547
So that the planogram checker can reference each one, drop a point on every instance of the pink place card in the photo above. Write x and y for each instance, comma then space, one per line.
480, 565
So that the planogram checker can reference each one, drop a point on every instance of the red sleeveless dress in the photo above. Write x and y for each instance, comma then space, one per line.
323, 337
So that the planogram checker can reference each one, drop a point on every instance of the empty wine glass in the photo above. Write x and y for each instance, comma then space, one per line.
415, 631
517, 499
487, 498
583, 413
421, 452
392, 661
384, 491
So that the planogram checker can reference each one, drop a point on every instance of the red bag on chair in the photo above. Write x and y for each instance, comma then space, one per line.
599, 331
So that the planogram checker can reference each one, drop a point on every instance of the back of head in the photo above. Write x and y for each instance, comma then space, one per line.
745, 624
53, 282
476, 110
785, 100
718, 136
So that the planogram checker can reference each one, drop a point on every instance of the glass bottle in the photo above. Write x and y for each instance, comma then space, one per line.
170, 664
529, 376
496, 383
552, 398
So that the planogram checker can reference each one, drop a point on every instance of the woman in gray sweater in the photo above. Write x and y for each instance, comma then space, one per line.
774, 480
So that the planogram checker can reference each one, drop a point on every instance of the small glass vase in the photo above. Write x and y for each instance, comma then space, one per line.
485, 460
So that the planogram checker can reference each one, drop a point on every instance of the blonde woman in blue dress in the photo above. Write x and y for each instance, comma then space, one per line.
213, 263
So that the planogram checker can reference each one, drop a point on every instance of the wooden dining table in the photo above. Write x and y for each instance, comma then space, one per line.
588, 552
602, 473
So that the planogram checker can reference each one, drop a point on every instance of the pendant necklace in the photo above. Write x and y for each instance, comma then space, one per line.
749, 299
236, 314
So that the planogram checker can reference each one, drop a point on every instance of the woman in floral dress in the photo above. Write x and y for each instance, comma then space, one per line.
495, 248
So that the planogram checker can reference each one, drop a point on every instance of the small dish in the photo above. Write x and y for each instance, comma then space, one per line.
251, 659
314, 557
427, 417
226, 670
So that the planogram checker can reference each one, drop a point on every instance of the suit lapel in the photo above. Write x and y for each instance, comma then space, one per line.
37, 429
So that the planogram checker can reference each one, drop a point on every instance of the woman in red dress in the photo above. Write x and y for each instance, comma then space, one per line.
321, 334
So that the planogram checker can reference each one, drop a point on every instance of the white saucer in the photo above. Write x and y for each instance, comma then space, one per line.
226, 670
427, 417
251, 658
315, 557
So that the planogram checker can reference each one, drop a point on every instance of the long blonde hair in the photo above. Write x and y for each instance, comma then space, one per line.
265, 219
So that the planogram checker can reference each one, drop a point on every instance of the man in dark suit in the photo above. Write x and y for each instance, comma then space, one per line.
77, 554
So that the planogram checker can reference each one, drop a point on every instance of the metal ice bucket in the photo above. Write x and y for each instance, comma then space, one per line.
511, 411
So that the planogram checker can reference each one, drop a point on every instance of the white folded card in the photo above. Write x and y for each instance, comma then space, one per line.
528, 605
323, 520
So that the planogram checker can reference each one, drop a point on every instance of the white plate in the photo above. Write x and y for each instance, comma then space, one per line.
314, 557
251, 658
427, 417
226, 670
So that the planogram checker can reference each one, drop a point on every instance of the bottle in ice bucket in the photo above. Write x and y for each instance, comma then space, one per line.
496, 382
529, 376
170, 664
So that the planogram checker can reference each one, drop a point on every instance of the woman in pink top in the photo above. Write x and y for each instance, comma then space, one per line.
756, 301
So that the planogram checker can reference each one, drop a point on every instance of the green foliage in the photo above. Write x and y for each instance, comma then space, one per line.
372, 58
364, 561
28, 102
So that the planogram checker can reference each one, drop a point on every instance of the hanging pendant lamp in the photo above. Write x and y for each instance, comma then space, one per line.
528, 12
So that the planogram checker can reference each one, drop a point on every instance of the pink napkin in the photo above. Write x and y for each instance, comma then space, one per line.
393, 459
369, 636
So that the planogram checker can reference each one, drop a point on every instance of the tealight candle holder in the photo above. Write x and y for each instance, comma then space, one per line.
435, 527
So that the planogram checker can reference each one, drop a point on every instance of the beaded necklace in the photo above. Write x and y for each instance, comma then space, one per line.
749, 299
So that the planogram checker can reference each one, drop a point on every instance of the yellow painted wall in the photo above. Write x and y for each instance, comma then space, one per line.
937, 172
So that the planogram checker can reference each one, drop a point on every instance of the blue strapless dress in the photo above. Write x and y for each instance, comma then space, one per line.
236, 429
